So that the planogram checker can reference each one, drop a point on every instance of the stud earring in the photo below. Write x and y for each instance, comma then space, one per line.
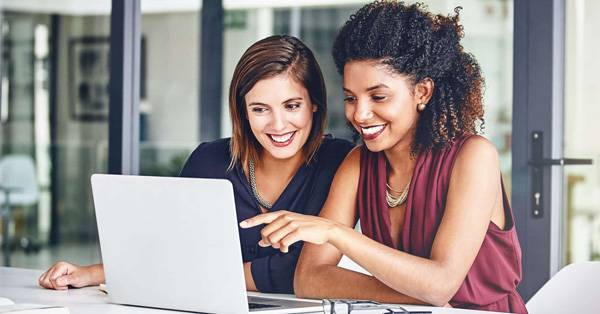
421, 107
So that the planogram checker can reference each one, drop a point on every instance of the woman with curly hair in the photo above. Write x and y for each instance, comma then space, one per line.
437, 225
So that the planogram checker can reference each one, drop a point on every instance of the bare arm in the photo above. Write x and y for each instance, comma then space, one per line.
250, 285
472, 198
317, 274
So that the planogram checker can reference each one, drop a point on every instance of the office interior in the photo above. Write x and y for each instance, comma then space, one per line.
63, 115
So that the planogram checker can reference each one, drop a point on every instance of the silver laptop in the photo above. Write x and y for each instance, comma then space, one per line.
173, 243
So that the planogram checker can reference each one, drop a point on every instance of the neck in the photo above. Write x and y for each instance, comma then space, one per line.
400, 159
271, 166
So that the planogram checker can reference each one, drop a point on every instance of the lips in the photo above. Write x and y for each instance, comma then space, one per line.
282, 140
371, 132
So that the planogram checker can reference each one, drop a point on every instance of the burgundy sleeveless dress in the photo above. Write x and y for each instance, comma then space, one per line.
491, 282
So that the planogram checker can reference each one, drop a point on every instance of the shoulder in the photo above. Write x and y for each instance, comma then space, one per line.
350, 167
346, 180
209, 159
477, 148
216, 148
476, 154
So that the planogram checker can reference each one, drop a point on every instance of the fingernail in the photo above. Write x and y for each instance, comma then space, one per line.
263, 243
243, 224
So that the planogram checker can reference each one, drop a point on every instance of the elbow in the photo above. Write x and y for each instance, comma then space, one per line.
441, 286
440, 294
439, 299
300, 282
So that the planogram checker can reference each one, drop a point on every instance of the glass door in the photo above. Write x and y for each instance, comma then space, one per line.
556, 179
581, 111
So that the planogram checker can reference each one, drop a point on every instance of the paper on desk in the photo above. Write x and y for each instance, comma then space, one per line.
349, 264
33, 309
6, 301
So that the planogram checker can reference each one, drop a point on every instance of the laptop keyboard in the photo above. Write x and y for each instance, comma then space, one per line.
254, 306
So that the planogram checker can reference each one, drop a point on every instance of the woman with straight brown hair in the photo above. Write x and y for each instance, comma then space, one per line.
277, 158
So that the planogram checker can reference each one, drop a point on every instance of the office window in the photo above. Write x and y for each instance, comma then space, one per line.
170, 83
53, 121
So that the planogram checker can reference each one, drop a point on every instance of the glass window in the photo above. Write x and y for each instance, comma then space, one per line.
170, 83
53, 127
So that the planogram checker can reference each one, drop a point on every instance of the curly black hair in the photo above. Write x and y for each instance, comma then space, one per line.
412, 41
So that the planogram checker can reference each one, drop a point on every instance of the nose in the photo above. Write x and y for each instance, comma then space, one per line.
363, 112
279, 121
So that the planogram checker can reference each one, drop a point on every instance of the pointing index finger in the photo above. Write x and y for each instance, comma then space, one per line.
265, 218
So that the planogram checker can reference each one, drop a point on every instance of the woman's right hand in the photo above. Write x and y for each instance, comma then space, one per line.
62, 275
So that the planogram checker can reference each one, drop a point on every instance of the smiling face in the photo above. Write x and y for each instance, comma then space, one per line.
380, 105
280, 115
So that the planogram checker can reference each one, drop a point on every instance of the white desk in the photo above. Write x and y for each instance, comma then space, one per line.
20, 285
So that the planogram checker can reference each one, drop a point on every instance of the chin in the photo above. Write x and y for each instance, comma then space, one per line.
375, 147
278, 153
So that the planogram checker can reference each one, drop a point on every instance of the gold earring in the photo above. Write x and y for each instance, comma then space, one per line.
421, 107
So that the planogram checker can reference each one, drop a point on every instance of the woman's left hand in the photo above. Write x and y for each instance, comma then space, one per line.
286, 228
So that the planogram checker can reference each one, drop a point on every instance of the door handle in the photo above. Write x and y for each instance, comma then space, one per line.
538, 162
559, 162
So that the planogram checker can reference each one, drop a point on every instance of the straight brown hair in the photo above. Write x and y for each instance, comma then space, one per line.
267, 58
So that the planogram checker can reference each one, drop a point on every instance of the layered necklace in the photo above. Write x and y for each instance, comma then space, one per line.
394, 201
252, 175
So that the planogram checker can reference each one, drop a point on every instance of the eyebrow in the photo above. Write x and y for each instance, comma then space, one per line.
256, 104
376, 87
290, 99
285, 101
369, 88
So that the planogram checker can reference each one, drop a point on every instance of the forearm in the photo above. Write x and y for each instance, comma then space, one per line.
250, 285
421, 278
96, 274
332, 282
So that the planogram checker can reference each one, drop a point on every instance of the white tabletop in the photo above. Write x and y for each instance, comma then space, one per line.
20, 285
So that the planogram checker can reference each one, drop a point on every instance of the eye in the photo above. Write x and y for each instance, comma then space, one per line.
378, 98
259, 109
292, 106
349, 99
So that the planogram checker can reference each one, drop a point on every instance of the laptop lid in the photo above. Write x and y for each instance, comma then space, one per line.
159, 237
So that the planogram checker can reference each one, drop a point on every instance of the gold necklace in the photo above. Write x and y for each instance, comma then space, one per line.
394, 201
259, 199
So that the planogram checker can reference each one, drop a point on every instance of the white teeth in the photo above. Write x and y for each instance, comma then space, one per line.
372, 129
281, 138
